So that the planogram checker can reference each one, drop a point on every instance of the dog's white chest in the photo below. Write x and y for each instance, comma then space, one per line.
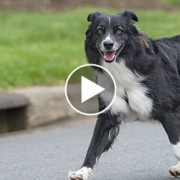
128, 84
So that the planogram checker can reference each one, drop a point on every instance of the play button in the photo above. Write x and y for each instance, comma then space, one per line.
82, 89
89, 89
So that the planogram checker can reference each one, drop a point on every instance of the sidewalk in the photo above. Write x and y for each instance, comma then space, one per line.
47, 104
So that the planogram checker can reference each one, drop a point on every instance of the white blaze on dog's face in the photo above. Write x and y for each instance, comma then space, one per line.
110, 33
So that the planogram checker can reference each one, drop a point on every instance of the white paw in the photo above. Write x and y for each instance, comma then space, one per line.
81, 174
175, 170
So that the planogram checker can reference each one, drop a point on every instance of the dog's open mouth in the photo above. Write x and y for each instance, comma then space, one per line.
110, 56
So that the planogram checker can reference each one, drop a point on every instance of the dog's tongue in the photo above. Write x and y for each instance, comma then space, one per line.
109, 56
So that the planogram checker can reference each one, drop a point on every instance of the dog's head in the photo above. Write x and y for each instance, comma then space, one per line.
108, 35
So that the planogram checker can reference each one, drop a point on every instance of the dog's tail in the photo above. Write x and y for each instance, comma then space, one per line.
174, 43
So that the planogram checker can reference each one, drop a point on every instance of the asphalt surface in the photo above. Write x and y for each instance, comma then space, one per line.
141, 152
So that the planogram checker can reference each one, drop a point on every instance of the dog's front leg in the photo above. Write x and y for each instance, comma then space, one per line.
105, 132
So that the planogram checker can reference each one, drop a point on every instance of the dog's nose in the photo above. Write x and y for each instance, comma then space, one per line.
108, 45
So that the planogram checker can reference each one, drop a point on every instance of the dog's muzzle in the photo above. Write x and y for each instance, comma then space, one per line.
110, 50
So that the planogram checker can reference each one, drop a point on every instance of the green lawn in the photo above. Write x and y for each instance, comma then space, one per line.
43, 48
176, 2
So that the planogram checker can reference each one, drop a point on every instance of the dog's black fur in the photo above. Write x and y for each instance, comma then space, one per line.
157, 60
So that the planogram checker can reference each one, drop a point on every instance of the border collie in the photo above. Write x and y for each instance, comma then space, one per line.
147, 75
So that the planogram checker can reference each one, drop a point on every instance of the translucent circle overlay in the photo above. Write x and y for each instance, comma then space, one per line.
69, 98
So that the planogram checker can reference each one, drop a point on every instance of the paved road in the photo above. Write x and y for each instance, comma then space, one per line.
141, 152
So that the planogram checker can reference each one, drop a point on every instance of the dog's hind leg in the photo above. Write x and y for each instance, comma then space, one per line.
175, 170
106, 130
172, 126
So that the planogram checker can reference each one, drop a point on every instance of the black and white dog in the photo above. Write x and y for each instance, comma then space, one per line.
147, 75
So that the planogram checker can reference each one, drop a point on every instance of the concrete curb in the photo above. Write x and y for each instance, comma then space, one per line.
47, 104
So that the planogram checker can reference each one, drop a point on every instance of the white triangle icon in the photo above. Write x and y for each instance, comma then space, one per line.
89, 89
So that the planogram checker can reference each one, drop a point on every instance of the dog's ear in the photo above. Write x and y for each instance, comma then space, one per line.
92, 16
130, 15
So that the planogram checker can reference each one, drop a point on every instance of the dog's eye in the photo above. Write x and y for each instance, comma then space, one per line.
118, 31
100, 31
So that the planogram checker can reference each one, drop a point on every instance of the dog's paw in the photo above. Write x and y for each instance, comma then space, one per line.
175, 170
81, 174
75, 176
